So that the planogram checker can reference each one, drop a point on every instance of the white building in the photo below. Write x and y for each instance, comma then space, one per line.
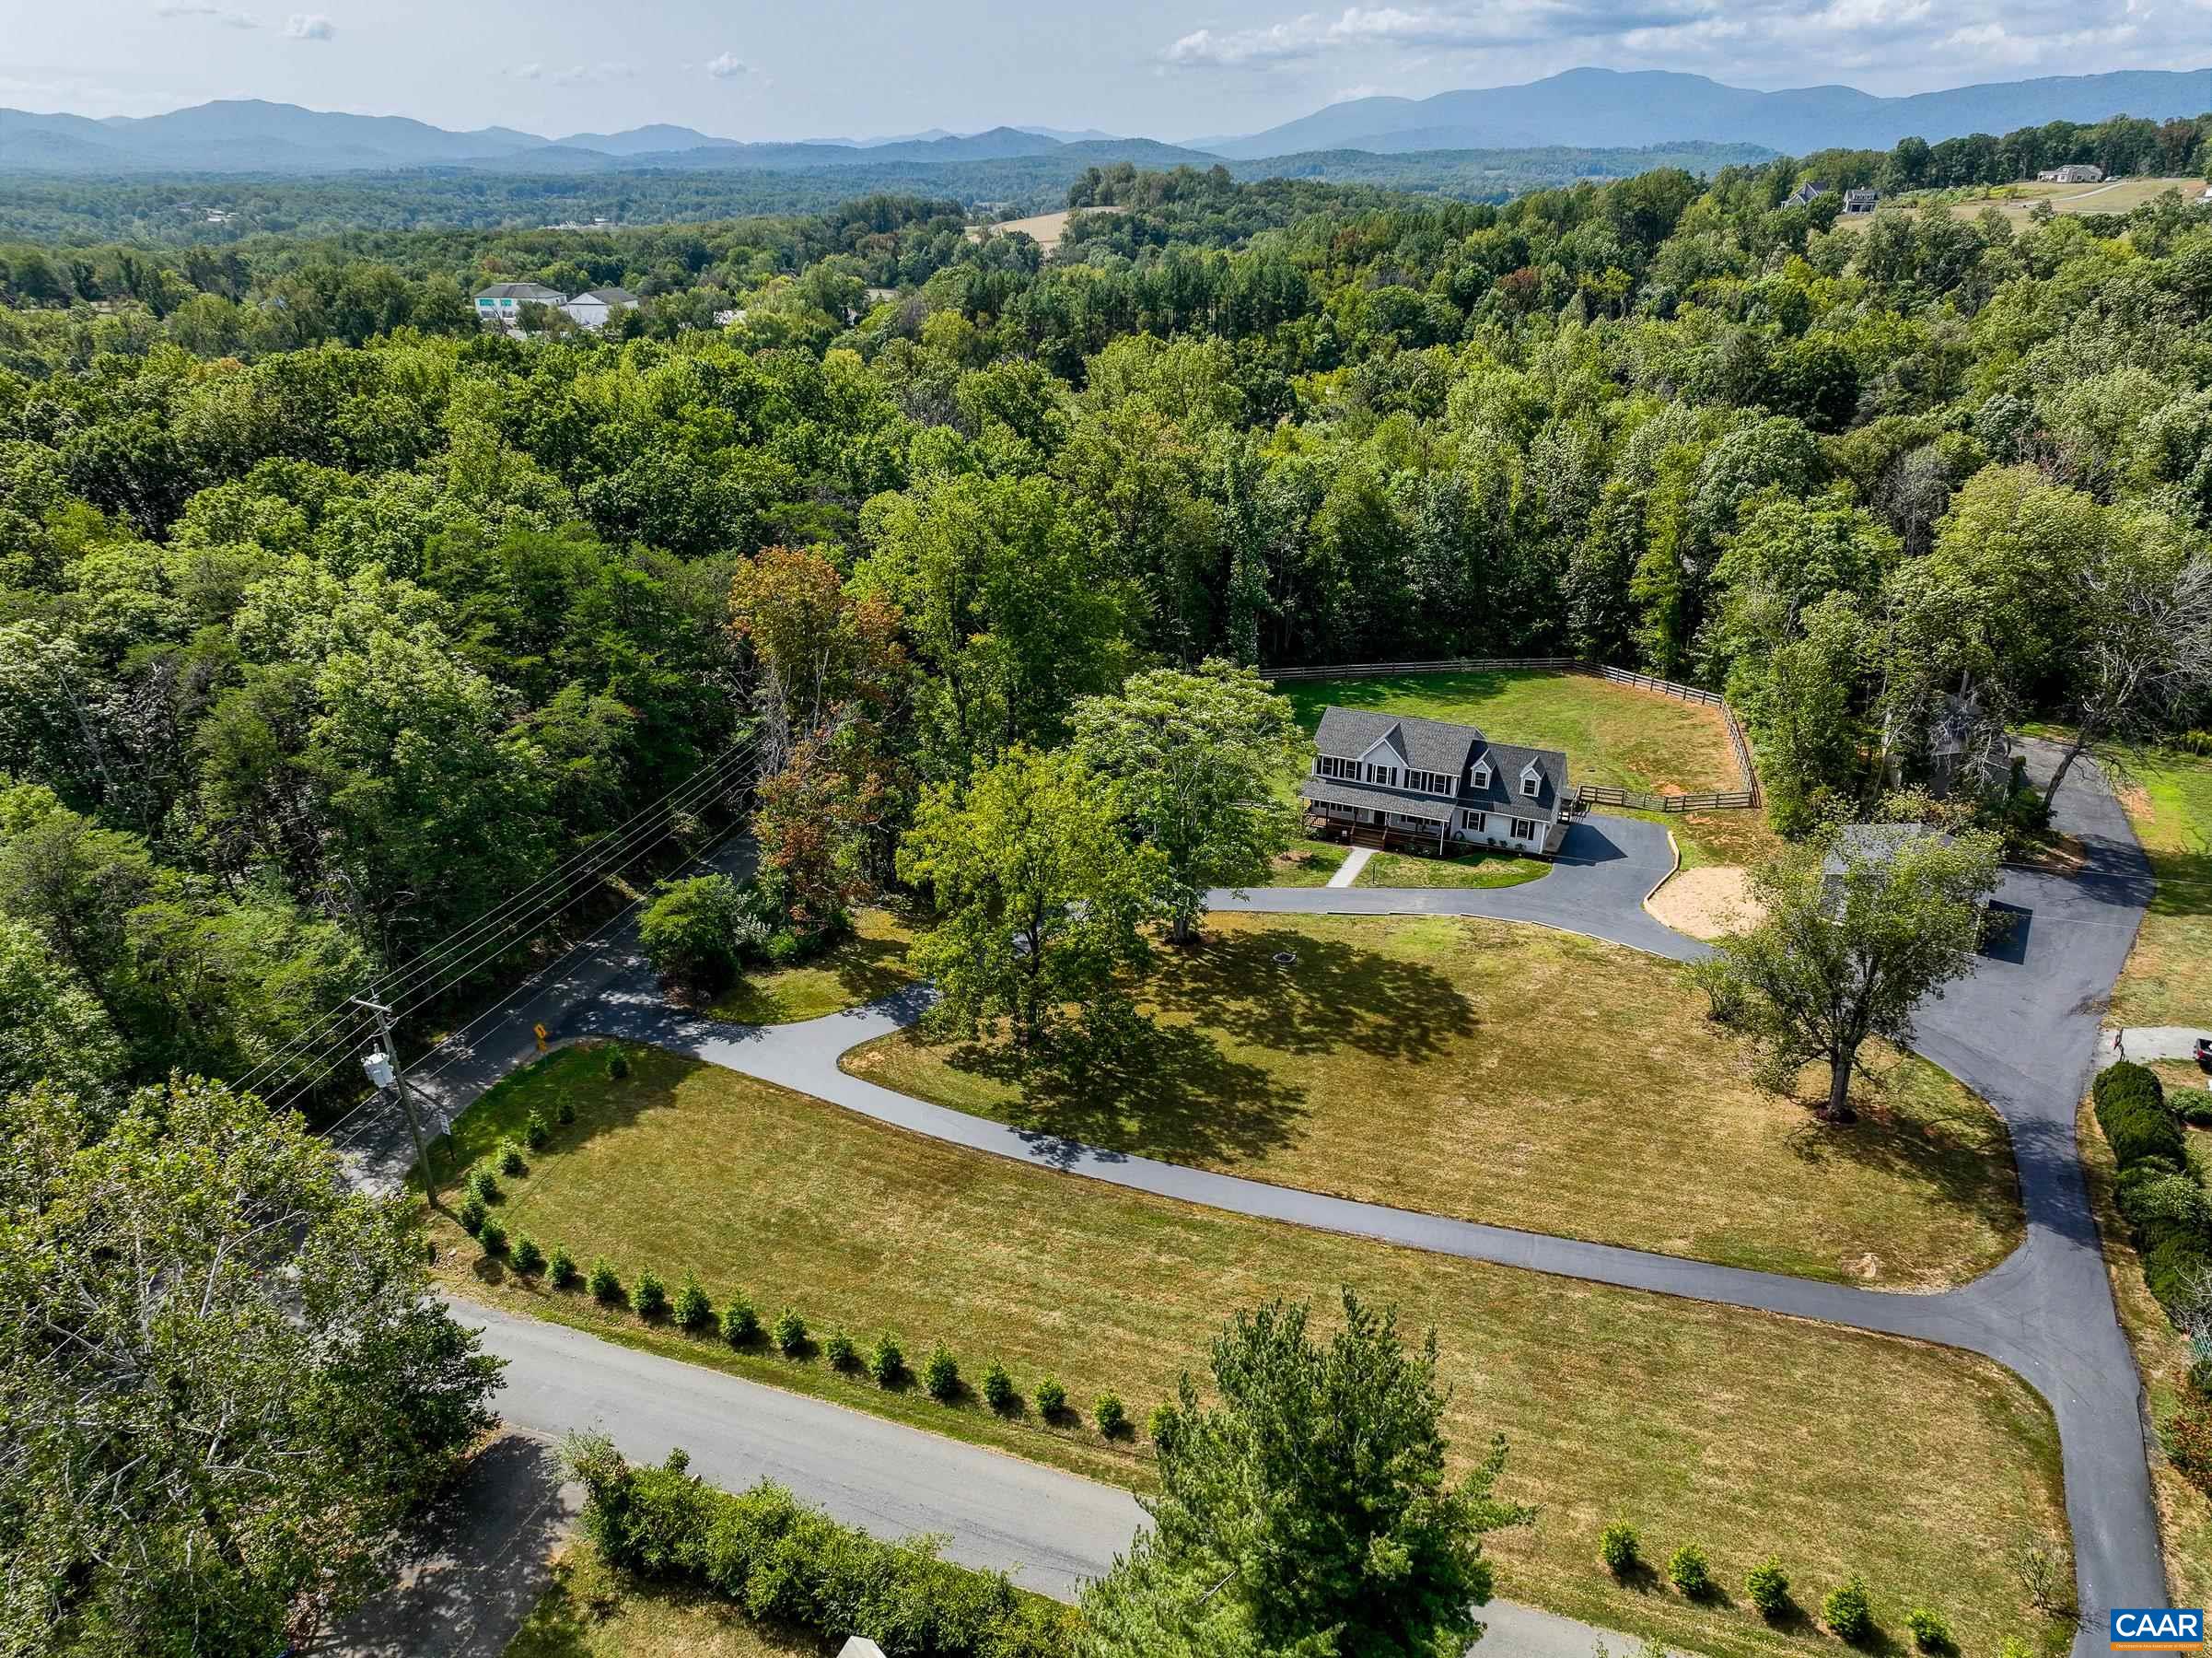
2074, 172
503, 302
591, 310
1430, 784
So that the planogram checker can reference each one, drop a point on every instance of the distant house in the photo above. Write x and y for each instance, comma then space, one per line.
859, 1646
1429, 783
2206, 200
592, 309
1802, 196
723, 319
2073, 173
503, 302
1861, 201
1963, 749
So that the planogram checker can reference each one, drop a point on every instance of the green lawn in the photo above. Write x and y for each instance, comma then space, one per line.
1308, 863
593, 1611
2168, 979
1514, 1075
868, 963
1467, 870
1610, 734
1917, 1465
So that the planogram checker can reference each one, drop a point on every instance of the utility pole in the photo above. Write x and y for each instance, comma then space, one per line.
385, 1070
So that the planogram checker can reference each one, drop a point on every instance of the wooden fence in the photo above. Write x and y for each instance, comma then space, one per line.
1586, 794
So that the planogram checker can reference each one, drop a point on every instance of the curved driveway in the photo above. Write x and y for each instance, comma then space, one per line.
2020, 1031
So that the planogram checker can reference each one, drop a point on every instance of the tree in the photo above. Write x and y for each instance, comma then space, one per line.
1038, 895
1309, 1512
224, 1382
691, 930
50, 1026
1858, 927
1194, 760
2142, 655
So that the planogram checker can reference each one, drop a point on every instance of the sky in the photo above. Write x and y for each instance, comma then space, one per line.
1169, 69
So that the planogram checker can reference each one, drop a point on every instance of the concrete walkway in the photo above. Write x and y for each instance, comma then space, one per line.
1348, 870
2021, 1031
2145, 1044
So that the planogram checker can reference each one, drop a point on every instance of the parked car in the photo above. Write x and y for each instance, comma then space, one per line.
2204, 1051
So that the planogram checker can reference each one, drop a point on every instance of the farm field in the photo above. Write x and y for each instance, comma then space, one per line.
2017, 200
1610, 733
869, 963
1043, 228
1919, 1466
1513, 1075
2168, 979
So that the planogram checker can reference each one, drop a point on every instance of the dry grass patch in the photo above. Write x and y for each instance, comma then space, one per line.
869, 963
1514, 1075
1708, 901
1919, 1466
1610, 733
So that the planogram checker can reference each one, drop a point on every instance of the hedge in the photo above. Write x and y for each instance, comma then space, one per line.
779, 1560
2148, 1146
2132, 1110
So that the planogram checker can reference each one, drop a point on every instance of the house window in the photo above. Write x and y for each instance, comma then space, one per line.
1524, 829
1329, 765
1428, 781
1530, 784
1382, 774
1481, 775
1476, 821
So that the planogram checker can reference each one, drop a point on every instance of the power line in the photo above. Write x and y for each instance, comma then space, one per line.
292, 1089
616, 846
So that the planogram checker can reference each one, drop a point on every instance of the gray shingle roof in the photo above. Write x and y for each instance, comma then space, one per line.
1435, 809
606, 295
522, 290
1440, 745
1869, 843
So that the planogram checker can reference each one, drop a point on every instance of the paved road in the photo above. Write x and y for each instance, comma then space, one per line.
2021, 1031
1048, 1530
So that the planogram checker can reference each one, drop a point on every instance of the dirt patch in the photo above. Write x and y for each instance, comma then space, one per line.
1705, 902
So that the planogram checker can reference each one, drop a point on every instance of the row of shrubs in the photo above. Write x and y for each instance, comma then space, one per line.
1848, 1610
783, 1562
2157, 1192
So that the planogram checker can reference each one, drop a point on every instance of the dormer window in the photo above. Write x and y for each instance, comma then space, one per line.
1531, 781
1480, 774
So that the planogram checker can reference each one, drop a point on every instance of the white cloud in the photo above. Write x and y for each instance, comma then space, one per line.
729, 66
228, 20
574, 75
309, 25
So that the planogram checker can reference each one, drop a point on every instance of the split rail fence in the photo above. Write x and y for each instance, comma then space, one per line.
1585, 794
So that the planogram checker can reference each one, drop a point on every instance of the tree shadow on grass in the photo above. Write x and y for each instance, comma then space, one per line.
1147, 1089
1962, 1164
1333, 996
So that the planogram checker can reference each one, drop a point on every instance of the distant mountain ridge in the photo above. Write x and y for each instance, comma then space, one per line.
1584, 108
1602, 108
254, 136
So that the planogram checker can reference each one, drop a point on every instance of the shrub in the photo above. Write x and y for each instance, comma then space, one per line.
1930, 1634
2131, 1109
764, 1552
941, 1375
535, 1133
605, 1286
1691, 1572
2174, 1267
690, 930
1768, 1587
1159, 1427
565, 1112
651, 1297
998, 1386
1848, 1612
694, 1310
1051, 1400
841, 1352
790, 1333
1111, 1415
472, 1214
618, 1067
483, 1184
510, 1160
1619, 1548
741, 1324
2186, 1434
887, 1363
528, 1257
492, 1236
561, 1268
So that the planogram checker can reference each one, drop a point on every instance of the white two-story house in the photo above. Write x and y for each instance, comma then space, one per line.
503, 302
1428, 781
